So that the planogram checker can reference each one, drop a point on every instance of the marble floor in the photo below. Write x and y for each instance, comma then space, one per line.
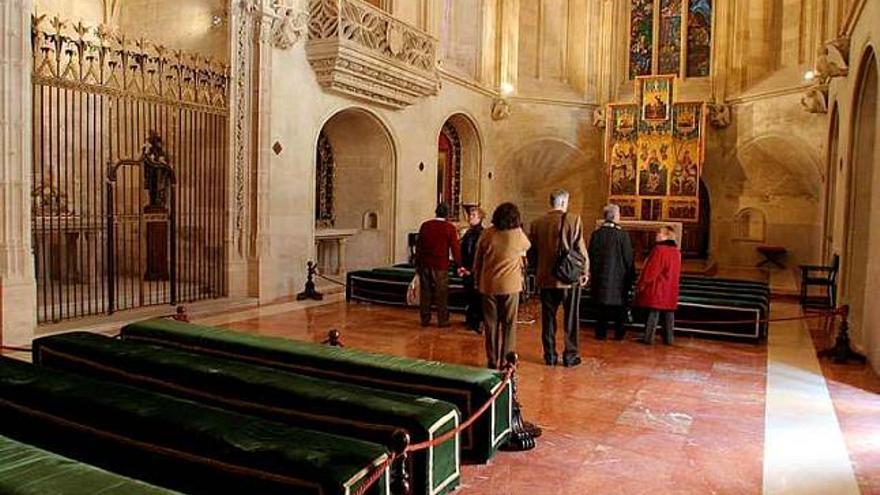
693, 418
631, 419
700, 417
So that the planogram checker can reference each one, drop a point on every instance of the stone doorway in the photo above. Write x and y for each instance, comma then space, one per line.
355, 225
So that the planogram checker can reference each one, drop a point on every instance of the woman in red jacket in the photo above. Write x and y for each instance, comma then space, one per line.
657, 288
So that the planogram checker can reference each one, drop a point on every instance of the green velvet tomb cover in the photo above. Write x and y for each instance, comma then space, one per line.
27, 470
301, 400
465, 386
176, 443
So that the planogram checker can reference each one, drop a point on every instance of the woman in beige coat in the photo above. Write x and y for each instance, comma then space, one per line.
498, 269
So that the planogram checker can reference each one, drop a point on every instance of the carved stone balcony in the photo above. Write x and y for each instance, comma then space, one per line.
364, 52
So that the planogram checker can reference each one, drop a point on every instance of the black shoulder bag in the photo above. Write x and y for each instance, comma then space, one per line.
570, 263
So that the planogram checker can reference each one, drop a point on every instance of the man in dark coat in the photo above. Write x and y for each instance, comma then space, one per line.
474, 313
612, 271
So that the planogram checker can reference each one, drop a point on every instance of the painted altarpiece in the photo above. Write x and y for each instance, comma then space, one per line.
654, 153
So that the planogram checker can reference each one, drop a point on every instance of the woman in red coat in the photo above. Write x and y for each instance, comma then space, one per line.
657, 288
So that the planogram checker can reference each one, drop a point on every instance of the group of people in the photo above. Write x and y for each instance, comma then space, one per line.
492, 260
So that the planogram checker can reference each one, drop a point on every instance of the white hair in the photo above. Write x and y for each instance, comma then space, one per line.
558, 198
610, 212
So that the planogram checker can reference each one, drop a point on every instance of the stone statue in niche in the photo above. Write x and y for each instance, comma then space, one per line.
719, 115
500, 109
816, 99
289, 25
158, 174
599, 117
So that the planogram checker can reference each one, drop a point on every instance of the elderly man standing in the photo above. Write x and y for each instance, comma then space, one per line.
437, 239
612, 271
546, 234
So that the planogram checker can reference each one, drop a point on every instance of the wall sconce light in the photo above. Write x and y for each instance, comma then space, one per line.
809, 75
507, 89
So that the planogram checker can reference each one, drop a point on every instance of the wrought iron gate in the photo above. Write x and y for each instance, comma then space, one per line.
96, 98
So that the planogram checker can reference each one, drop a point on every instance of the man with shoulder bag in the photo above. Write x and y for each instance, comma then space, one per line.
562, 269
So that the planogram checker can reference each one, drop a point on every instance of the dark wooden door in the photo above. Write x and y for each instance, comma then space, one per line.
695, 237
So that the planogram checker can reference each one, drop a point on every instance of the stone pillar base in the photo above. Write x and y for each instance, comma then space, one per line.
18, 312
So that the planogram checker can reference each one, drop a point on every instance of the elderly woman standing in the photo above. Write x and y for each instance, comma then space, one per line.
657, 288
498, 269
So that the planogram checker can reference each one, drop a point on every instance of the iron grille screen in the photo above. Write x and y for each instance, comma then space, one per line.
103, 245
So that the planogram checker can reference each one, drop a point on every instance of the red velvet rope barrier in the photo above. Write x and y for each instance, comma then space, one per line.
374, 476
377, 472
508, 375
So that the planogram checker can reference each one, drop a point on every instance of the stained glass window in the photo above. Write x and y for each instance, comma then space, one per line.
641, 37
699, 38
665, 33
670, 37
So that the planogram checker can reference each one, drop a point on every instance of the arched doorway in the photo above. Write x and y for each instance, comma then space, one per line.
458, 164
830, 200
695, 236
861, 218
354, 191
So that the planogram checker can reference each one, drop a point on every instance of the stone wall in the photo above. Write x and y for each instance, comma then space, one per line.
854, 205
769, 160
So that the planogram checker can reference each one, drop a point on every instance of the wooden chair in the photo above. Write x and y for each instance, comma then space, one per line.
820, 276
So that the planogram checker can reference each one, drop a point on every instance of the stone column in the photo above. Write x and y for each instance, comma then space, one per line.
509, 30
17, 282
258, 28
340, 257
241, 34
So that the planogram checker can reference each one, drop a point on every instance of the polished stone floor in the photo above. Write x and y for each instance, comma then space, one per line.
855, 392
632, 419
700, 417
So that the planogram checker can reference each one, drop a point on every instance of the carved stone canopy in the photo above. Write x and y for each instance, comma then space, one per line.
363, 52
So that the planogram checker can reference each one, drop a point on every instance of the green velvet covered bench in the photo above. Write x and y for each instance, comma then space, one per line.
465, 386
27, 470
388, 285
177, 443
711, 307
315, 403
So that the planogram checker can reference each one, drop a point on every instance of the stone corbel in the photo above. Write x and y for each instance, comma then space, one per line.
720, 115
830, 64
500, 108
281, 23
599, 117
838, 51
816, 99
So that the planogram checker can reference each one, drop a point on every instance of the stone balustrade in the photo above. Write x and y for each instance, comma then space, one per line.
361, 51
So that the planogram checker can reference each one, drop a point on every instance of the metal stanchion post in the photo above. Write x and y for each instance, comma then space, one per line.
842, 351
310, 292
521, 438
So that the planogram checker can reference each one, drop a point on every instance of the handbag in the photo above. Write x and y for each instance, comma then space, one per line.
412, 292
570, 263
